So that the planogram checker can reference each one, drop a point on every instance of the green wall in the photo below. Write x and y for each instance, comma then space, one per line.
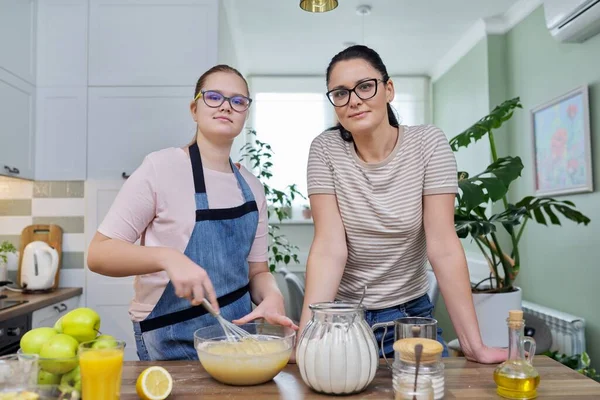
461, 97
559, 265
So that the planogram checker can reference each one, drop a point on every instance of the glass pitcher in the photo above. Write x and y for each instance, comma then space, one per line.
337, 351
516, 378
407, 327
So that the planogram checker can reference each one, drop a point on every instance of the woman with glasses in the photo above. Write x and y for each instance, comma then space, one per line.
202, 222
382, 197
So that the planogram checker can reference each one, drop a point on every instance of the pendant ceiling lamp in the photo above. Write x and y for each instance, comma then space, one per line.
318, 6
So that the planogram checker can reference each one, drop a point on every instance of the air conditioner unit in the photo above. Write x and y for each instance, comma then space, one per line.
572, 21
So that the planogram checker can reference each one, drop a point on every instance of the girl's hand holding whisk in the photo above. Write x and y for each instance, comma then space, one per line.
190, 281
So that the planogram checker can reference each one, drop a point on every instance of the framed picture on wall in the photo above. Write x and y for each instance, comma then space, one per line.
562, 159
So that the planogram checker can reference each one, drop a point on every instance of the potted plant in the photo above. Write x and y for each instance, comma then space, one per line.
7, 250
279, 202
497, 294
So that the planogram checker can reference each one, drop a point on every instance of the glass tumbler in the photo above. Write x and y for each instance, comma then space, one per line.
18, 371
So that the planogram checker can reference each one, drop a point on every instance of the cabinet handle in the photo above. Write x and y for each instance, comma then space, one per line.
10, 170
61, 308
125, 176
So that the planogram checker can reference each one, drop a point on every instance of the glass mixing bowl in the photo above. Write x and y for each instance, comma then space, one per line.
249, 361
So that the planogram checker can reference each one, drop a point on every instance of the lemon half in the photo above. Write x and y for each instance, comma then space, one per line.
154, 383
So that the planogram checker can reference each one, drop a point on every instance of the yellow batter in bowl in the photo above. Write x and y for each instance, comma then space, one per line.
251, 361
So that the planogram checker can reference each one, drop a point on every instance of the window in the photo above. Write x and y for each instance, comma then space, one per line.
289, 122
289, 112
411, 100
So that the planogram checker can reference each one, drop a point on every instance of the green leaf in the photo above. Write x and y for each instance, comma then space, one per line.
539, 216
494, 120
585, 359
535, 206
492, 184
473, 225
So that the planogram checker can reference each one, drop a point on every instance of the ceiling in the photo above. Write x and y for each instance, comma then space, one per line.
276, 37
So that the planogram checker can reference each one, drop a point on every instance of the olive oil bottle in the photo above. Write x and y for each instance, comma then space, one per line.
516, 378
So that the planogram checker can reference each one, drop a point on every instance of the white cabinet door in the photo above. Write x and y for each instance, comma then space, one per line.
127, 123
60, 150
17, 38
62, 43
110, 297
17, 100
47, 316
61, 104
151, 42
17, 92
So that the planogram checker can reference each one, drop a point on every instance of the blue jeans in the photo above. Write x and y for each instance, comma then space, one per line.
419, 307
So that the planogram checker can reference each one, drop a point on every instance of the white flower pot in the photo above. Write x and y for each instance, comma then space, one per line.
492, 311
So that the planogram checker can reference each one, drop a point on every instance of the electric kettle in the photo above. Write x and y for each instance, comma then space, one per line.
39, 266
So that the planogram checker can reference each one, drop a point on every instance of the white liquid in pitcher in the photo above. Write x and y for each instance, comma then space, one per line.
339, 362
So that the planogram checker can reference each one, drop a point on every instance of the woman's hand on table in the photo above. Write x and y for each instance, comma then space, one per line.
272, 310
488, 355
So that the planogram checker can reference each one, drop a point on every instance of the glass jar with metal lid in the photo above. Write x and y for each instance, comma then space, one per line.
431, 365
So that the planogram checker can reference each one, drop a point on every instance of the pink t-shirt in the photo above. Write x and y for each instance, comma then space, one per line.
159, 198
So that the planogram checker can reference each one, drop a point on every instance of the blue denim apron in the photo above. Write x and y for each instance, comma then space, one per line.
220, 243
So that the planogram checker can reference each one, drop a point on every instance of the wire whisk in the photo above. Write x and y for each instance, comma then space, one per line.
233, 333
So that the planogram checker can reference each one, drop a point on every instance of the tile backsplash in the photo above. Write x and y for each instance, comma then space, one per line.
23, 203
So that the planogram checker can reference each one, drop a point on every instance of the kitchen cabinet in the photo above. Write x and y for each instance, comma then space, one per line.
141, 81
17, 130
17, 88
151, 42
125, 124
61, 90
66, 65
47, 316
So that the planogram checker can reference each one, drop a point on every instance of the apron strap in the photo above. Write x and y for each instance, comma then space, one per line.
189, 313
199, 184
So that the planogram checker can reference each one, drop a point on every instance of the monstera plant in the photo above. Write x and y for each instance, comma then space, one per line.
489, 188
279, 201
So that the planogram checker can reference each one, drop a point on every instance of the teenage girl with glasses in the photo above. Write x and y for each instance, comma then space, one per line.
382, 196
203, 226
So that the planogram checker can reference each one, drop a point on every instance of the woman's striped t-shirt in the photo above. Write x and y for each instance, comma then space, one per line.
381, 205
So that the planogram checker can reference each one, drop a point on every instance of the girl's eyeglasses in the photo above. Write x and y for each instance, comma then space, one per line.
214, 99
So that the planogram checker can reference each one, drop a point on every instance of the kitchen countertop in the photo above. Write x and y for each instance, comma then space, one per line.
464, 380
36, 301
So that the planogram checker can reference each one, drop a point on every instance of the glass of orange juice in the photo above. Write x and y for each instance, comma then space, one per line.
101, 365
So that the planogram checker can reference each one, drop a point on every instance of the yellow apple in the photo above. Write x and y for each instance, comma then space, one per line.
104, 342
58, 355
32, 341
58, 325
82, 323
71, 380
47, 378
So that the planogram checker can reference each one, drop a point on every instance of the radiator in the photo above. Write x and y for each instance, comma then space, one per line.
568, 331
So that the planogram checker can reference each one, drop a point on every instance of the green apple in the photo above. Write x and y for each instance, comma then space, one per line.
71, 380
105, 342
82, 323
62, 347
58, 325
47, 378
32, 341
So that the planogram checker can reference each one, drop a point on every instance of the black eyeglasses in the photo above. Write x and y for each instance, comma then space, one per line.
364, 90
214, 99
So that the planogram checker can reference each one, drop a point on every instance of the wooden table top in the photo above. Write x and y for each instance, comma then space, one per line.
464, 380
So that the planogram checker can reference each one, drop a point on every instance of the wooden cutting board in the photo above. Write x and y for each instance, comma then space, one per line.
49, 233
